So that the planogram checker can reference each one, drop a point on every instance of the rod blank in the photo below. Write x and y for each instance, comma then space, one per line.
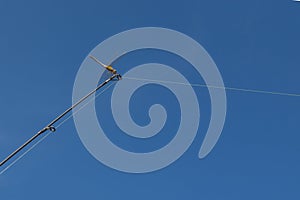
50, 126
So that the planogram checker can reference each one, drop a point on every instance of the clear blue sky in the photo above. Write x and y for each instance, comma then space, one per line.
255, 45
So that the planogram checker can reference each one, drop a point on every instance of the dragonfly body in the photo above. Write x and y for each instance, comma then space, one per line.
107, 67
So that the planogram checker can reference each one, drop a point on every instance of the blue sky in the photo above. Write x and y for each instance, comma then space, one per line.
255, 45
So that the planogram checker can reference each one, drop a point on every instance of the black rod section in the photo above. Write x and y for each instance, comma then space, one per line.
50, 125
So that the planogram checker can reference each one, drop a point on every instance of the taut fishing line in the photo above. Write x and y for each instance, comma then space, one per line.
137, 39
153, 80
215, 87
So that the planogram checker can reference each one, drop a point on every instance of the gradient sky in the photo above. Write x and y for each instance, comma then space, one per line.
255, 45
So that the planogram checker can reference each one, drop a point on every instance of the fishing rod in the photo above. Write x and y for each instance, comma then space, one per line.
50, 126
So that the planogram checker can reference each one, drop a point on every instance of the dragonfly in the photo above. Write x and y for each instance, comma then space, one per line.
109, 68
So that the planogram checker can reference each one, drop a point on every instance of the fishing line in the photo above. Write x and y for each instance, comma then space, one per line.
50, 128
215, 87
60, 124
22, 155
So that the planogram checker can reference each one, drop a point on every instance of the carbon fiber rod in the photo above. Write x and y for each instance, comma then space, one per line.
50, 126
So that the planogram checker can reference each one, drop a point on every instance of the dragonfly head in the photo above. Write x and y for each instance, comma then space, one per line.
111, 69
